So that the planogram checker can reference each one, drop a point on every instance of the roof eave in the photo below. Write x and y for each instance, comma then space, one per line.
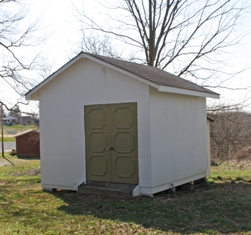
25, 132
188, 92
33, 94
125, 72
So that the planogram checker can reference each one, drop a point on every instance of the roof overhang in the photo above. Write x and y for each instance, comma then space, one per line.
9, 118
25, 132
187, 92
34, 93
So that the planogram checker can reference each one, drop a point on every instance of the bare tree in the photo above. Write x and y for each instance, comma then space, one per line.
16, 36
185, 37
230, 134
97, 45
15, 112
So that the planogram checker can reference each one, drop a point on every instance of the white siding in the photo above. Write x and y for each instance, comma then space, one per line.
172, 128
178, 139
62, 120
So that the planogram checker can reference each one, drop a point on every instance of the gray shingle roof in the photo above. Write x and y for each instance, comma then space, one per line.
153, 74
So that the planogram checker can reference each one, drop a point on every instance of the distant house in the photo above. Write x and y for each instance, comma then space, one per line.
121, 123
8, 120
25, 120
27, 144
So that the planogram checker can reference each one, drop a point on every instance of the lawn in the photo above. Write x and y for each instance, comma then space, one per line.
8, 139
10, 131
19, 128
220, 207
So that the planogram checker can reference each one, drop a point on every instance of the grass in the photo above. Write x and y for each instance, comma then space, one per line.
231, 172
10, 131
219, 207
20, 127
8, 139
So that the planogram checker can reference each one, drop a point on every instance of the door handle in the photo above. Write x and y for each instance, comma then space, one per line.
109, 148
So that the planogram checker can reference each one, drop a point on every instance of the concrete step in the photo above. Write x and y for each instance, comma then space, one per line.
107, 189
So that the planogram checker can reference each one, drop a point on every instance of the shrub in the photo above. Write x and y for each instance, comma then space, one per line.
12, 152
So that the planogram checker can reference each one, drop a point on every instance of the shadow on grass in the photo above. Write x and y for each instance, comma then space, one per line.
216, 208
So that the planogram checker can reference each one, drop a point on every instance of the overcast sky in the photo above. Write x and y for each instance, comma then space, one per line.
60, 28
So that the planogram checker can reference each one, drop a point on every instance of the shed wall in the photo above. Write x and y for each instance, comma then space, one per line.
178, 139
62, 135
27, 145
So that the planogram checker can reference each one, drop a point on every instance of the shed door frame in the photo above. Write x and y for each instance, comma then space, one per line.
111, 139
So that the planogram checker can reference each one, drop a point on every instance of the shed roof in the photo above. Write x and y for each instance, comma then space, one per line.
25, 132
162, 80
9, 118
209, 119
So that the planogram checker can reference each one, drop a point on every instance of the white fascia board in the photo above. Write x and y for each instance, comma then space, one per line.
33, 96
154, 85
187, 92
23, 133
122, 71
34, 93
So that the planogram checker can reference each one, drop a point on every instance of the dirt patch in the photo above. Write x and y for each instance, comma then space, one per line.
4, 162
30, 172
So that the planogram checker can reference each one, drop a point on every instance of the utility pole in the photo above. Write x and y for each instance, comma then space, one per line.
1, 119
2, 129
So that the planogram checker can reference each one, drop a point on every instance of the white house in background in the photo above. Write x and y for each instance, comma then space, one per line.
8, 120
107, 120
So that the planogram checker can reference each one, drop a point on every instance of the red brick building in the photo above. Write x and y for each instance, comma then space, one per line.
28, 144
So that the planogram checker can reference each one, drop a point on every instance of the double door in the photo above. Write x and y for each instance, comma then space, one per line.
111, 143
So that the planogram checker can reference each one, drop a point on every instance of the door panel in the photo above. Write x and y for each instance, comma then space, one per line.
97, 129
111, 143
124, 140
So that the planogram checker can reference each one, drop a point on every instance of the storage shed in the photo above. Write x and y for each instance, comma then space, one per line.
117, 122
27, 144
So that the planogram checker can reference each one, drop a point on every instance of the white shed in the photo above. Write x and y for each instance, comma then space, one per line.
112, 121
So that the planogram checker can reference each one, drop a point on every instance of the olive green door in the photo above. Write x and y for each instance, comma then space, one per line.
111, 143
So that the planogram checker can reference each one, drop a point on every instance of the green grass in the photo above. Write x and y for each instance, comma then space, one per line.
12, 130
20, 127
8, 139
232, 172
221, 207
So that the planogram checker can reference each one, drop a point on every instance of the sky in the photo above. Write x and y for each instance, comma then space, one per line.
59, 27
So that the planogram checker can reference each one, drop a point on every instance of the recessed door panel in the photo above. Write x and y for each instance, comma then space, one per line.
111, 143
98, 165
